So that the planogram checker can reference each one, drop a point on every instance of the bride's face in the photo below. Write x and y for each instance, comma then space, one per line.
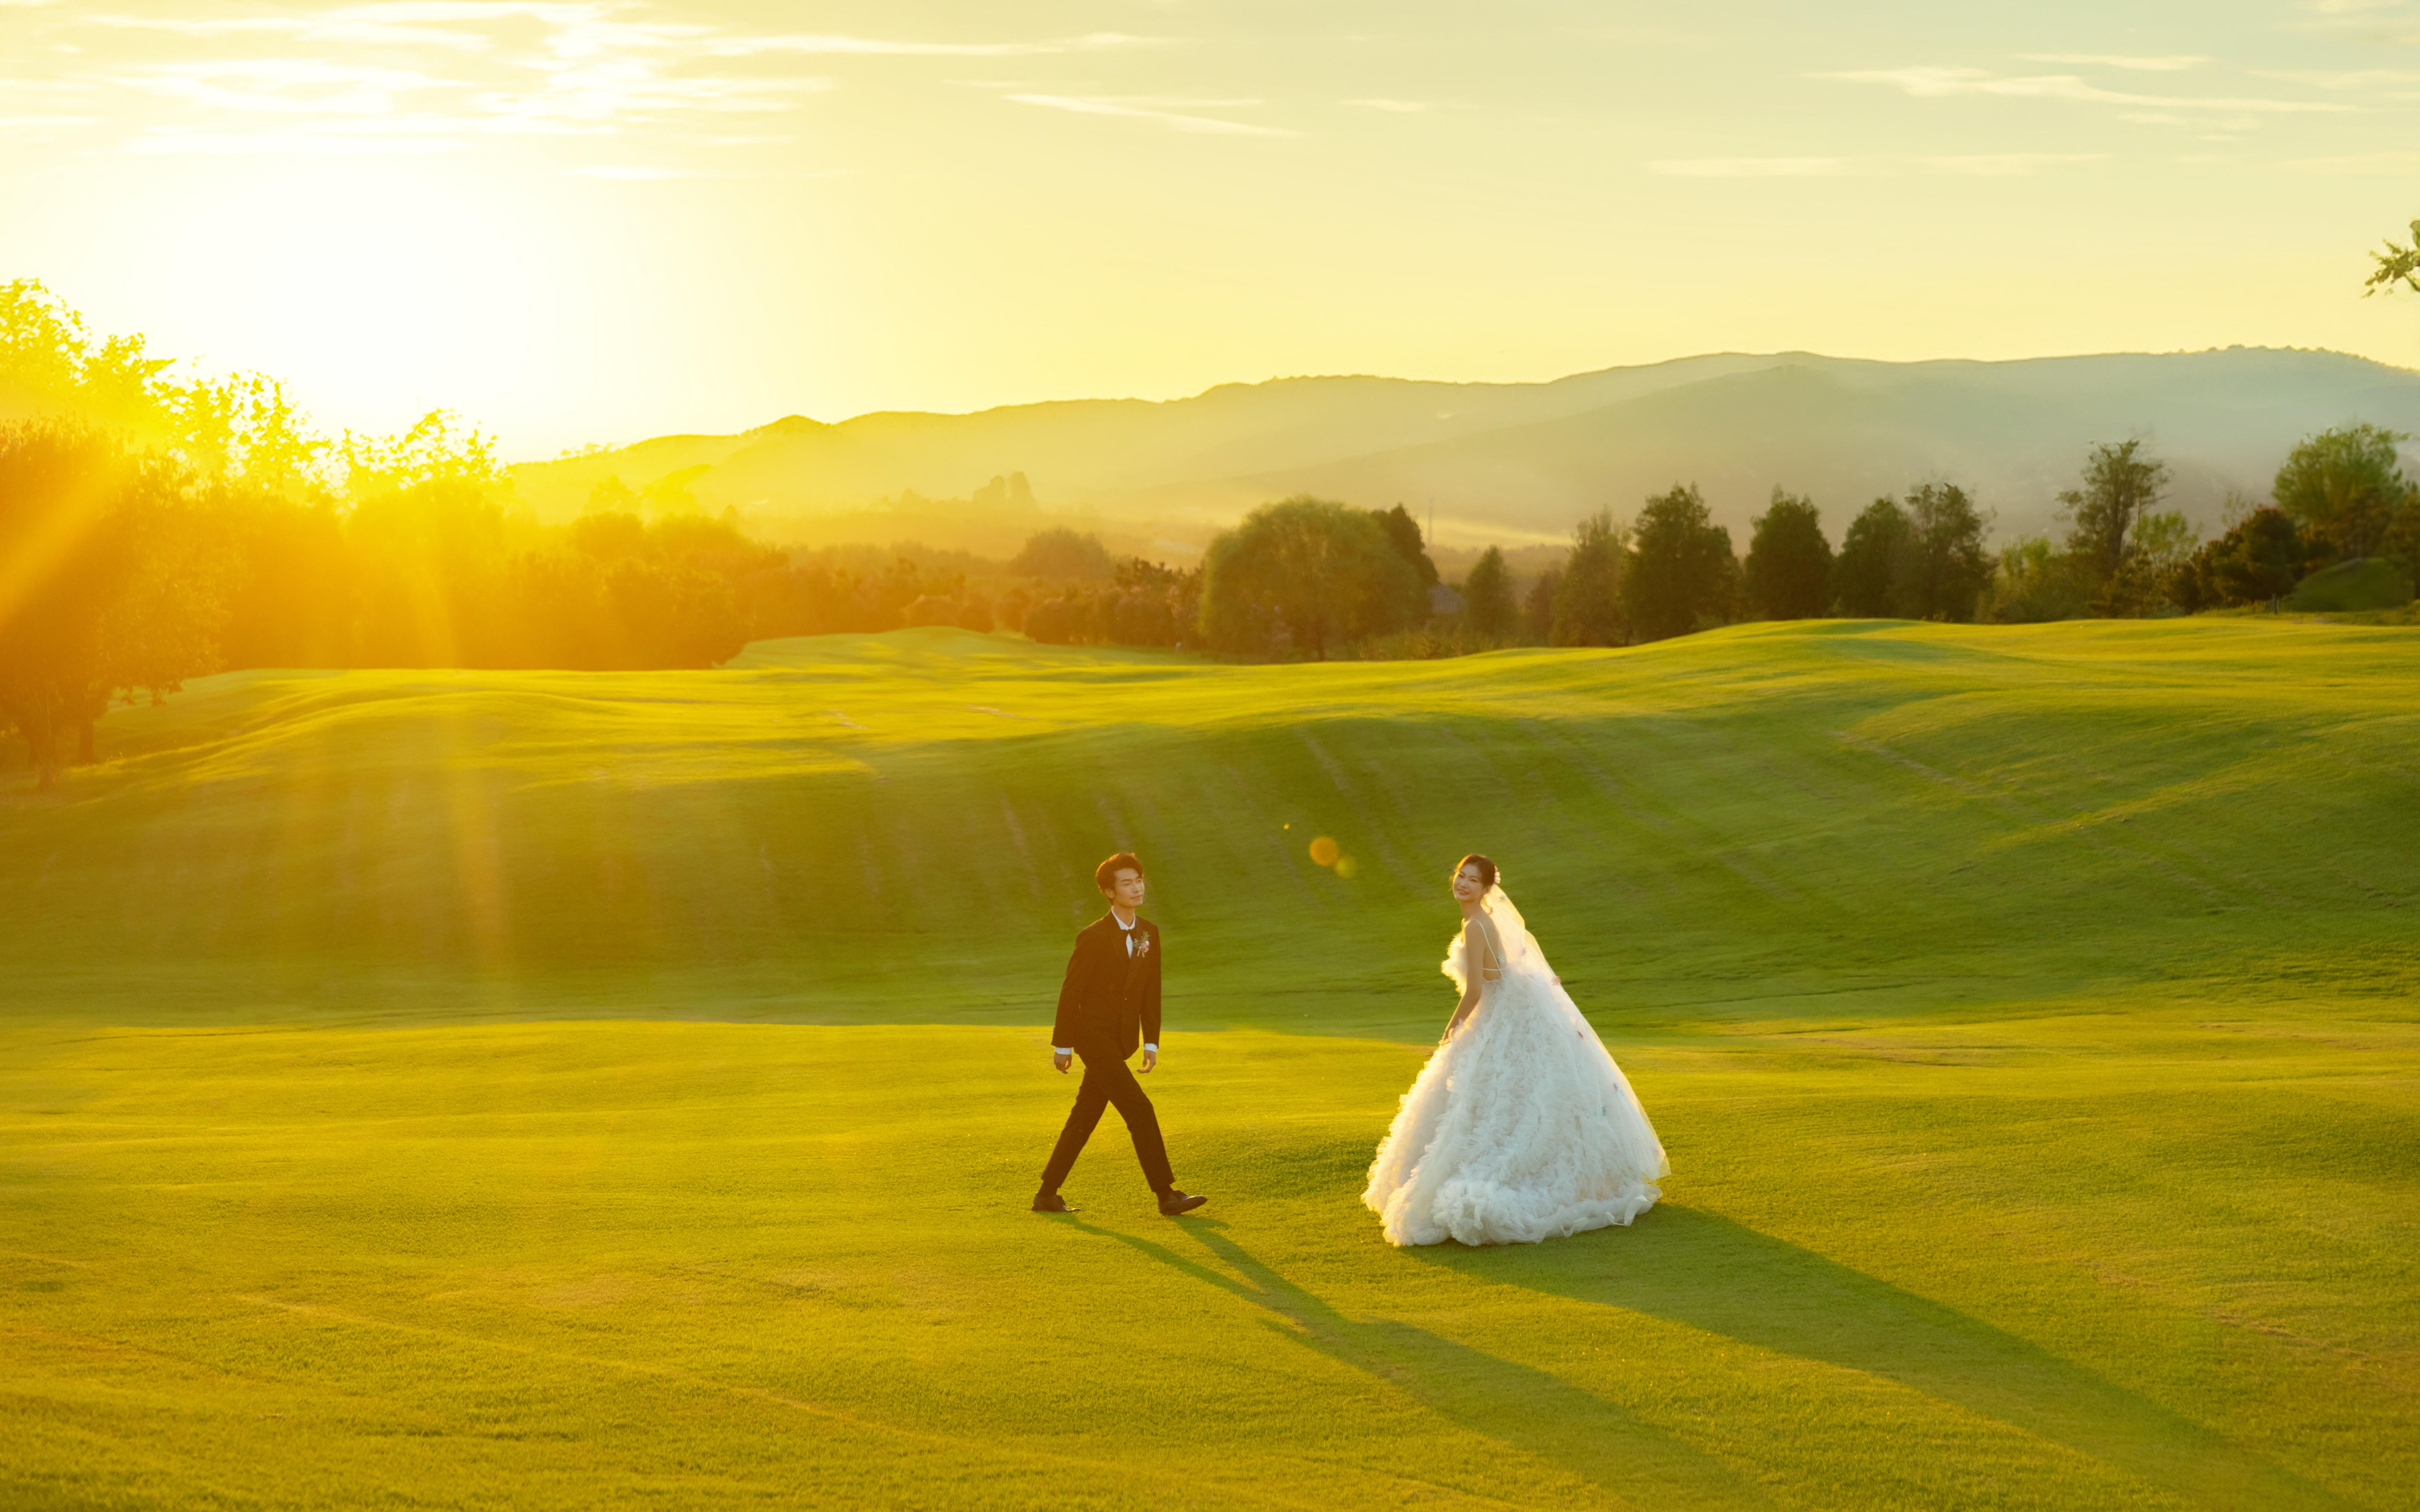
1467, 886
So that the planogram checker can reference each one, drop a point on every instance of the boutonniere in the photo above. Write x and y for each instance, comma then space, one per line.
1142, 946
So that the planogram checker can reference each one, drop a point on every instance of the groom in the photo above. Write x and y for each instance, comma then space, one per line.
1109, 1001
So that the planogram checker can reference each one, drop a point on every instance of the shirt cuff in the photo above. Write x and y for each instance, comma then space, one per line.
1059, 1050
1153, 1048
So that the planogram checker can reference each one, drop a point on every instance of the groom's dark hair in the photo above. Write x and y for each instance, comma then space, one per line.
1105, 875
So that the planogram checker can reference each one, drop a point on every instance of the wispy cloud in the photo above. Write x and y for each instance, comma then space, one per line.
287, 87
1397, 107
1754, 167
891, 47
320, 141
2176, 63
514, 67
1146, 109
633, 173
1925, 82
1995, 164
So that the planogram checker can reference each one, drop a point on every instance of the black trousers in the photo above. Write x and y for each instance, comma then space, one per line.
1107, 1080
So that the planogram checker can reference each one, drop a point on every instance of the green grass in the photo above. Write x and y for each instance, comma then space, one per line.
519, 1089
2369, 583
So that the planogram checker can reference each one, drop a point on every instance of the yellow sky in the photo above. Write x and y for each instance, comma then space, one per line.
583, 220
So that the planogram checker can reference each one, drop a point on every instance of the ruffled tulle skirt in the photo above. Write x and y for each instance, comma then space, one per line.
1521, 1129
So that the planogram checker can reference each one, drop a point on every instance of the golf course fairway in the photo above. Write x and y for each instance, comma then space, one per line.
540, 1090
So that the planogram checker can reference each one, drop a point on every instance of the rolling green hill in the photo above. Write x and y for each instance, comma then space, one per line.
1858, 818
474, 1090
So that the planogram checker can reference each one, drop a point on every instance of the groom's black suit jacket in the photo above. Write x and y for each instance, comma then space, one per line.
1110, 1002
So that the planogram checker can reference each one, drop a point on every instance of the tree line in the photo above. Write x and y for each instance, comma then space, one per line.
152, 530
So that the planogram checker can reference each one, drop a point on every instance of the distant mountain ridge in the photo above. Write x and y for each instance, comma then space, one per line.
1516, 461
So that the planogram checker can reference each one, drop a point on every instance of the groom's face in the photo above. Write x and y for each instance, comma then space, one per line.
1126, 888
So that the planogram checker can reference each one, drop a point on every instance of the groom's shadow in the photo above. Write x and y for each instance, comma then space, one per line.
1709, 1273
1598, 1441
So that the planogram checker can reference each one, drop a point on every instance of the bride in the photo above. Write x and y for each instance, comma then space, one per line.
1520, 1127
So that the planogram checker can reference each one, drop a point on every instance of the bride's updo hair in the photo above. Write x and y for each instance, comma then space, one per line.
1486, 869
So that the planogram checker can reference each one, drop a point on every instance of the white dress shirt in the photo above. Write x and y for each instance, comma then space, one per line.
1129, 928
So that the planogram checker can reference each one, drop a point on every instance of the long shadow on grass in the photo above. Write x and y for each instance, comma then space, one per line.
1711, 1274
1541, 1414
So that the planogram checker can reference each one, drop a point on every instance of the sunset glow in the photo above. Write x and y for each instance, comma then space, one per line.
593, 220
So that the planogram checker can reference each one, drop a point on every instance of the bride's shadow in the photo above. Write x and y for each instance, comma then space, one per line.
1708, 1272
1598, 1441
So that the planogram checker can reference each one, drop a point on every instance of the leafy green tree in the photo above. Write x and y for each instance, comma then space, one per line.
114, 582
1306, 573
1941, 567
2398, 264
1861, 575
2120, 486
2344, 488
2156, 552
1587, 605
1789, 571
1062, 554
2403, 536
1681, 570
1538, 607
2259, 559
2262, 557
1404, 533
1487, 604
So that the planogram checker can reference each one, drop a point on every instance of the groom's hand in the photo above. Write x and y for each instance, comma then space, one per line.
1150, 1058
1059, 1061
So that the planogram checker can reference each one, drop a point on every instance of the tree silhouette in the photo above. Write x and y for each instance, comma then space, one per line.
1941, 568
1308, 572
1682, 569
2122, 486
2344, 487
1861, 576
1487, 604
1588, 604
1789, 569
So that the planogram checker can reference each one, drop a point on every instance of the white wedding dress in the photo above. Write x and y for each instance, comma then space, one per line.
1521, 1127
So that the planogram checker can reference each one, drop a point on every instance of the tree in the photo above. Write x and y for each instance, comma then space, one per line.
2156, 552
2396, 265
1404, 532
2262, 559
1681, 570
1487, 604
2036, 582
1059, 553
1861, 575
2344, 488
1305, 572
111, 589
1538, 607
1789, 571
1941, 568
2120, 486
1587, 604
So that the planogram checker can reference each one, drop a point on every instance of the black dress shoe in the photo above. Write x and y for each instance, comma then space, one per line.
1053, 1202
1176, 1202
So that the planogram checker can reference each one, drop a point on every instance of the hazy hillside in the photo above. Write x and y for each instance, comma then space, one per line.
1845, 431
1516, 461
